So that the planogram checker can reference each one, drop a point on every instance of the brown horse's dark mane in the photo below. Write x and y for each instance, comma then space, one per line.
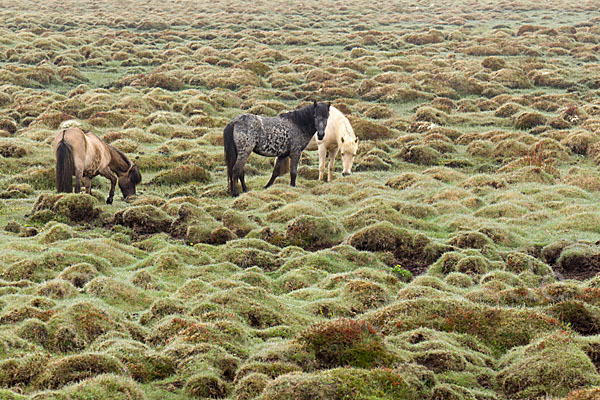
119, 161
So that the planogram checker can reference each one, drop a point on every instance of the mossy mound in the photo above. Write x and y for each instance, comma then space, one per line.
344, 342
79, 274
528, 120
206, 385
74, 368
181, 175
104, 386
143, 219
414, 251
498, 328
422, 154
313, 233
75, 207
524, 371
339, 383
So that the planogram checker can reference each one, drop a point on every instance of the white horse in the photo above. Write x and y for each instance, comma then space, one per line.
339, 137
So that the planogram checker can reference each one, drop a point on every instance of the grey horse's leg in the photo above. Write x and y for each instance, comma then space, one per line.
107, 173
294, 160
276, 170
237, 172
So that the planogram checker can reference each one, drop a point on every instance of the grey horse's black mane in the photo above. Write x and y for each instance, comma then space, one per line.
304, 116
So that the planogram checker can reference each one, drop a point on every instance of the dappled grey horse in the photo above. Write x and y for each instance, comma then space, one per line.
281, 136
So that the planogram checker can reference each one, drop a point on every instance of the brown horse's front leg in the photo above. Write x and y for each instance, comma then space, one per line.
107, 173
276, 170
294, 160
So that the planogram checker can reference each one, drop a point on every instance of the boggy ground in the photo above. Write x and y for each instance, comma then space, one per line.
459, 261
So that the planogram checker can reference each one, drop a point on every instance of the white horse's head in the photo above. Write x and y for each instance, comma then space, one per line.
348, 149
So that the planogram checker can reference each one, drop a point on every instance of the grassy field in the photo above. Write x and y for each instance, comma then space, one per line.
459, 261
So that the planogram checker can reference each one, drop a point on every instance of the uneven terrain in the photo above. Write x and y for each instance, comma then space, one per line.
458, 261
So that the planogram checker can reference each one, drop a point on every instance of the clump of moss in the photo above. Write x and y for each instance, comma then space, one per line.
364, 295
205, 385
507, 110
246, 258
116, 292
79, 324
431, 114
528, 120
163, 80
422, 154
57, 289
412, 250
250, 386
368, 130
76, 207
105, 386
34, 331
470, 240
143, 219
22, 370
79, 274
498, 328
581, 317
11, 150
77, 367
524, 371
237, 222
181, 175
493, 63
406, 382
55, 232
314, 233
345, 342
16, 191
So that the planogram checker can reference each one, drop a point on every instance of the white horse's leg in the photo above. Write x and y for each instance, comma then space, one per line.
322, 156
332, 154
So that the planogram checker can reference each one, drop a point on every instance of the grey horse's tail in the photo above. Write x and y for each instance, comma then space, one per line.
230, 153
65, 166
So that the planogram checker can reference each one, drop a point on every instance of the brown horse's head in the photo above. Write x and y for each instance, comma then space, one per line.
128, 180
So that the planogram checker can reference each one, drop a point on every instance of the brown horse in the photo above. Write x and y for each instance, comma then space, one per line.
85, 155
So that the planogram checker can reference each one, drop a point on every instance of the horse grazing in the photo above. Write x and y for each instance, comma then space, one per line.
339, 137
283, 136
85, 155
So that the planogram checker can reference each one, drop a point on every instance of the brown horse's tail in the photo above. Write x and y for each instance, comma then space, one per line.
230, 154
65, 166
285, 166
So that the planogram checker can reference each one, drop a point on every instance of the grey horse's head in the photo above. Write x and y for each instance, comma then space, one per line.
321, 116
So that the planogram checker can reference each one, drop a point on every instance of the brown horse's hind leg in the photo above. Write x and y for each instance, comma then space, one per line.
243, 182
107, 173
237, 172
279, 163
88, 184
294, 160
78, 178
